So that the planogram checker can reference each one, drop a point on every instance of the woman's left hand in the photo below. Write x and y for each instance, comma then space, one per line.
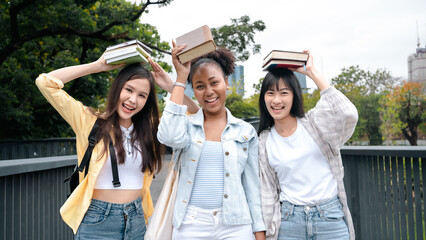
312, 72
161, 78
307, 69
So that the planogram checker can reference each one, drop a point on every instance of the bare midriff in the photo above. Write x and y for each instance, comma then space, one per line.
116, 195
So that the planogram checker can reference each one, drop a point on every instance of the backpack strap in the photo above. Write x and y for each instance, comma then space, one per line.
85, 162
115, 178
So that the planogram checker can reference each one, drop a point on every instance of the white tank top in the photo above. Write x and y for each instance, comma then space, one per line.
130, 174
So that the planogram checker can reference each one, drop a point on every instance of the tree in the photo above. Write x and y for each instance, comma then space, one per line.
241, 108
364, 88
40, 36
239, 36
402, 111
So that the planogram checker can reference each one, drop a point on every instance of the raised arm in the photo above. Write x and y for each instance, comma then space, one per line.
182, 71
163, 80
67, 74
172, 130
312, 72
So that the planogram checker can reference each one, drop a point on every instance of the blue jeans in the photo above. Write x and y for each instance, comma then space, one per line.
104, 220
321, 221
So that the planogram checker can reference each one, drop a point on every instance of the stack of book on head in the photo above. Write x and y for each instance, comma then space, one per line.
128, 52
198, 42
284, 59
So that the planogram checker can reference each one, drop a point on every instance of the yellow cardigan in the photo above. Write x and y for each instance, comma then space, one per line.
81, 120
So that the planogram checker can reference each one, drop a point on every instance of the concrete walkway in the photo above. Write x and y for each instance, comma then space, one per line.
158, 181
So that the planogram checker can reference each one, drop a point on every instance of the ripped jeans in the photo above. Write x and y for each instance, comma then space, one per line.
318, 222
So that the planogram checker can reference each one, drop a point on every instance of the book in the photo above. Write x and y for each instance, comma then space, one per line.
277, 63
129, 58
280, 58
198, 42
129, 43
127, 52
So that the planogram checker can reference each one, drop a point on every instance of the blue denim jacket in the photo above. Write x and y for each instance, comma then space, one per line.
241, 202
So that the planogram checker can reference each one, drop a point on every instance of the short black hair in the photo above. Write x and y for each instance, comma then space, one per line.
221, 57
273, 77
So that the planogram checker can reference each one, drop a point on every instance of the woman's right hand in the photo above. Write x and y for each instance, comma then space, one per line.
102, 66
182, 70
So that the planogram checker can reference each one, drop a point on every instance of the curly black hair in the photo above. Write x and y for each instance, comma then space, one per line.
221, 57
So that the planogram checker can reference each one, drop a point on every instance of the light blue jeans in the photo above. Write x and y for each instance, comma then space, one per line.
104, 220
320, 222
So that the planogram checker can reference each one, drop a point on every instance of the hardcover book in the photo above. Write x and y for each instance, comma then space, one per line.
129, 58
198, 42
129, 43
279, 58
127, 52
277, 63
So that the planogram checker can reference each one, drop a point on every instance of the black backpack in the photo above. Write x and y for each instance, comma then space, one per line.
85, 162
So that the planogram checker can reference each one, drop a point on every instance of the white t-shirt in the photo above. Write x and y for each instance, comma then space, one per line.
303, 171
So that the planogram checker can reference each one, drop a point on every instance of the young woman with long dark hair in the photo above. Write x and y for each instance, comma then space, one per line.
97, 209
303, 196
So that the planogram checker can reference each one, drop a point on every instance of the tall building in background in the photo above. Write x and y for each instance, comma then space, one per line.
417, 66
237, 79
302, 81
189, 91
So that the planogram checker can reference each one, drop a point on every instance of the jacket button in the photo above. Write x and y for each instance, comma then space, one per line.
225, 196
227, 174
227, 153
245, 149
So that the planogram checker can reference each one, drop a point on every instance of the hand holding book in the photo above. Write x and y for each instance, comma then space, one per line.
182, 69
312, 72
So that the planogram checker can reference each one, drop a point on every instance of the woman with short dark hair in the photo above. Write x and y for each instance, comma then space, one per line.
218, 194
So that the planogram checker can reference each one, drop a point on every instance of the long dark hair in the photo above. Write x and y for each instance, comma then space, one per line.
145, 122
273, 77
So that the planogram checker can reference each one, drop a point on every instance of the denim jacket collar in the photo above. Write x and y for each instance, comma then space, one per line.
198, 118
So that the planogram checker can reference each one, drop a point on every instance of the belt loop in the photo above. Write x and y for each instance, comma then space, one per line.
291, 209
108, 209
319, 209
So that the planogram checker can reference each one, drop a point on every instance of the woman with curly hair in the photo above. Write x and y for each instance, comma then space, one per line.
218, 193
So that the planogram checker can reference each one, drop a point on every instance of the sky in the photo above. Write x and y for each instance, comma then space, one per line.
374, 34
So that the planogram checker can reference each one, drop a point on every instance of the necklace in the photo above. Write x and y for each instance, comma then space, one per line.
127, 139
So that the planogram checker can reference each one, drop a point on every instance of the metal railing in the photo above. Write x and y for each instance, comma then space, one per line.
385, 188
37, 148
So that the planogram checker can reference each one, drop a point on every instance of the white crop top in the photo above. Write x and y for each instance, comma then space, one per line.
130, 174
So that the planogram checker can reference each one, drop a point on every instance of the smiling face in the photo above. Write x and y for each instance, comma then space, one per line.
133, 97
210, 86
279, 101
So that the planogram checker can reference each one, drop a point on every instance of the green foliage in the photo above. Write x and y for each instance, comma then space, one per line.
364, 89
369, 116
241, 108
40, 36
310, 100
239, 36
403, 111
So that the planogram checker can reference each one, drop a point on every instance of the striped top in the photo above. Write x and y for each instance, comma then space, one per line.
207, 191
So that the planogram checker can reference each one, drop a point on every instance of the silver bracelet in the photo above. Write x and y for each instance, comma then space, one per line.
179, 84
